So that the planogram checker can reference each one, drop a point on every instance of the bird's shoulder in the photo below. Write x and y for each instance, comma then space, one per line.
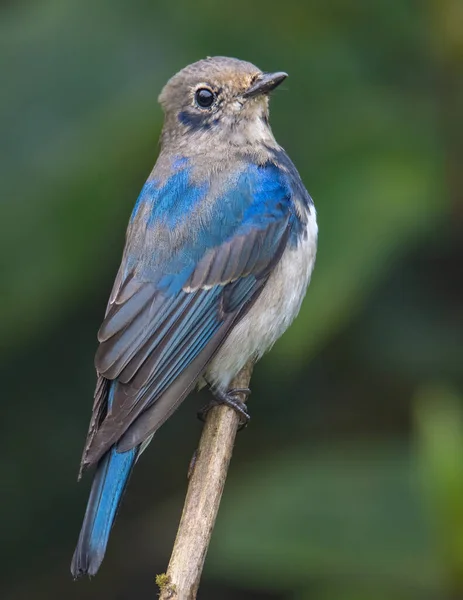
179, 184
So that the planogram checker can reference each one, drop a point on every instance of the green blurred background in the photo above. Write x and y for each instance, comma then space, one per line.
348, 484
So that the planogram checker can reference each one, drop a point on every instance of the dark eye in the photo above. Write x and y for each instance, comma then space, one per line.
204, 97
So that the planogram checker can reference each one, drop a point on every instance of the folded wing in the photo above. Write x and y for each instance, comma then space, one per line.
164, 323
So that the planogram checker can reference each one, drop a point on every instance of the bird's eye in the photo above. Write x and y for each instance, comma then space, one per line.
204, 97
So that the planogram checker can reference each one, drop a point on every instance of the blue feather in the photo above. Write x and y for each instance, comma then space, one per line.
171, 202
109, 482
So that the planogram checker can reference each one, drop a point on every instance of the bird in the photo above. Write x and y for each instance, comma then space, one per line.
219, 252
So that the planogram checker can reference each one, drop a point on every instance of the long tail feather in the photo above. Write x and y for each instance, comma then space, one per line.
108, 486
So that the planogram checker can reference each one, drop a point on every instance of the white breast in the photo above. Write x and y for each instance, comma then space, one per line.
272, 313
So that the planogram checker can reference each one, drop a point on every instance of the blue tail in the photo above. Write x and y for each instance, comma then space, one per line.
110, 479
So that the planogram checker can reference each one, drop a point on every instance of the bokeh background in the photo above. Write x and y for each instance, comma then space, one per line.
348, 484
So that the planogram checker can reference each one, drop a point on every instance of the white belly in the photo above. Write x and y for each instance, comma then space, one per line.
272, 313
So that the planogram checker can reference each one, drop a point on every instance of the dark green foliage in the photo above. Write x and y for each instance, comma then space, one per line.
348, 484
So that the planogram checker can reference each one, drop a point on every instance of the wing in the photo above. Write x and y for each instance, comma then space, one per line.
168, 315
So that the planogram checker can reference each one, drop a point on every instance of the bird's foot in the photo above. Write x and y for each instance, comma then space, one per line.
231, 399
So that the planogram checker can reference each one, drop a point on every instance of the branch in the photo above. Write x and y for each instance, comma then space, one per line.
206, 483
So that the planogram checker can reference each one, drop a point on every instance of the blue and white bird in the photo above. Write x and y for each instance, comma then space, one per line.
219, 252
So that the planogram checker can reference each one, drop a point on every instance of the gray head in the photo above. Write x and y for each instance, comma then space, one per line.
222, 97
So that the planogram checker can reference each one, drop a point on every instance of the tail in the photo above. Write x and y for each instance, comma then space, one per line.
111, 477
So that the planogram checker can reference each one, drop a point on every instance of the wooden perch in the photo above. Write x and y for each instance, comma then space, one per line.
206, 483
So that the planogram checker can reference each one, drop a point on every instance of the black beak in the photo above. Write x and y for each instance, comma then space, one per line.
265, 84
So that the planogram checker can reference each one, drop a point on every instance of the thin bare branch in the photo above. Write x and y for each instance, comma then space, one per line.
206, 483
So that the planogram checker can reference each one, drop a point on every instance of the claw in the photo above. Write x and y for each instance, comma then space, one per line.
231, 399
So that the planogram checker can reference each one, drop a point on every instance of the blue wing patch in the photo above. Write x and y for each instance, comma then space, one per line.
172, 201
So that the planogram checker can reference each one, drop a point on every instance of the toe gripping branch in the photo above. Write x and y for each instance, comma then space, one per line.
232, 399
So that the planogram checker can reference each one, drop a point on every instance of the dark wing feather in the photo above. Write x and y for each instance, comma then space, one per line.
98, 411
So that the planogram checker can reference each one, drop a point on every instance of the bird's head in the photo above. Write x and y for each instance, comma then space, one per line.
221, 98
